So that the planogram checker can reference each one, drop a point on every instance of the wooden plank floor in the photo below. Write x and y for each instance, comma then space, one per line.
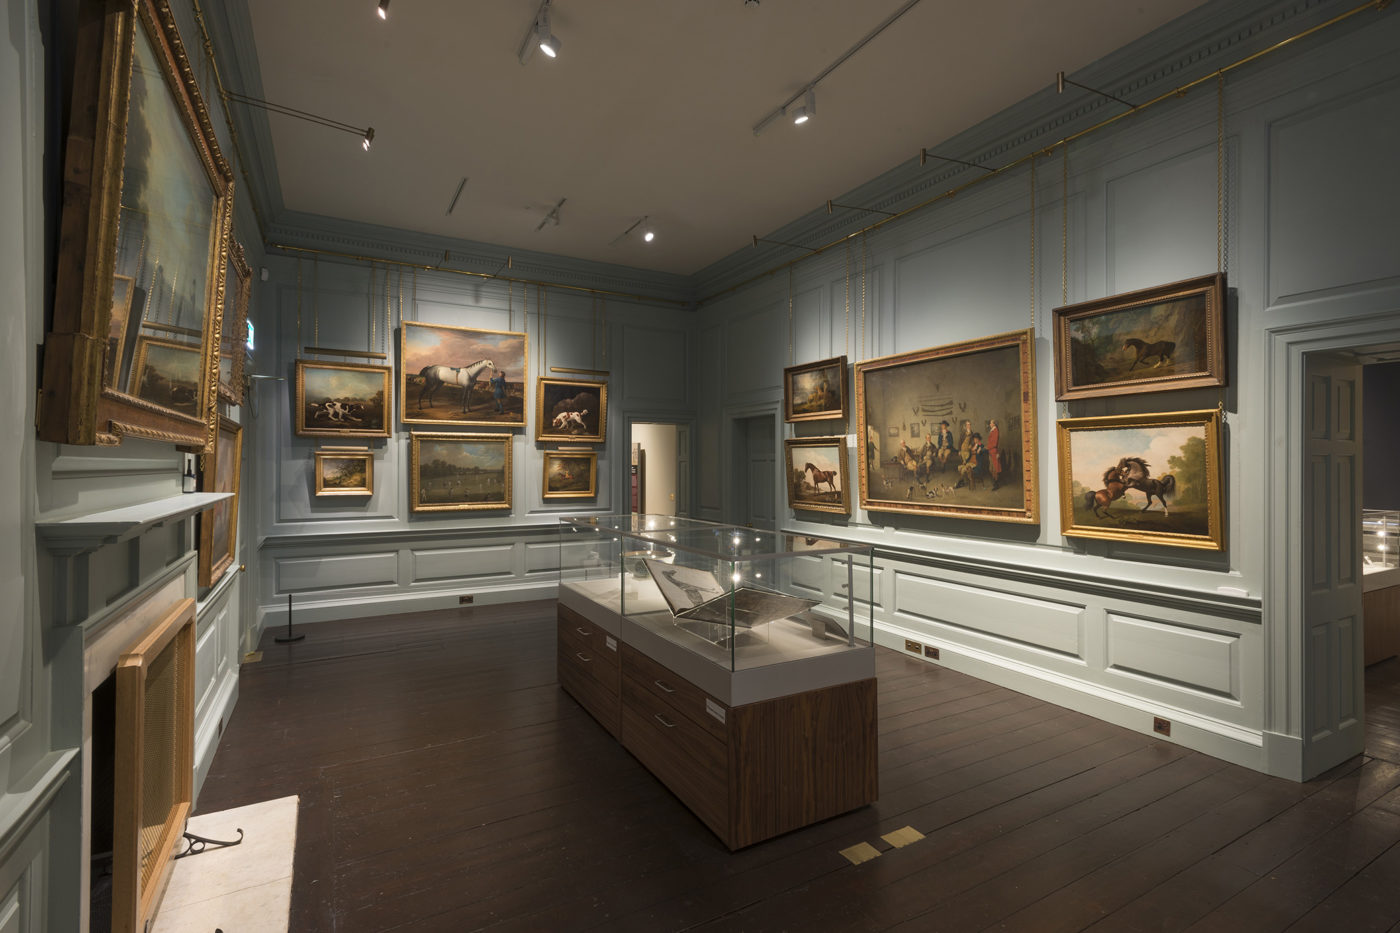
448, 784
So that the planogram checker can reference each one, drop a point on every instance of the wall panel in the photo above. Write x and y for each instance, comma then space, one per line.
655, 362
1041, 623
336, 572
1161, 221
430, 565
1197, 659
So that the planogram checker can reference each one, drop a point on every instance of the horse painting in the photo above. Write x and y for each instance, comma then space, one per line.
1114, 487
1136, 475
1161, 349
821, 476
435, 377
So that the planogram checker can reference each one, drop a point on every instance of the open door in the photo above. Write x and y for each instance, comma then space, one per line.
1333, 689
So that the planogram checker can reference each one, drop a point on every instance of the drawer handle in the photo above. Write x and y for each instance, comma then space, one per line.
583, 631
664, 687
582, 657
664, 721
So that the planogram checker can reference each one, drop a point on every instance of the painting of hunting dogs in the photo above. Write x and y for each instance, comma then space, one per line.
1150, 478
1168, 337
950, 430
342, 399
816, 471
462, 375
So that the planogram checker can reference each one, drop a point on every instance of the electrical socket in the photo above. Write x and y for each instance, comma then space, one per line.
913, 646
1161, 726
930, 652
465, 600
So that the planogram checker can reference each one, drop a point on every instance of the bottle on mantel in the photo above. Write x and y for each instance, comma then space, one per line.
189, 482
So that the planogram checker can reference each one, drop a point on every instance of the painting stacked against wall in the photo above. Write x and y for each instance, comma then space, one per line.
462, 375
950, 430
220, 471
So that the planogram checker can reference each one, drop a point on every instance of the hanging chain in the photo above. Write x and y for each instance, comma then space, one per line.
791, 359
593, 330
298, 305
863, 257
1064, 225
604, 302
846, 346
1032, 241
510, 305
370, 309
389, 314
1220, 172
414, 309
316, 301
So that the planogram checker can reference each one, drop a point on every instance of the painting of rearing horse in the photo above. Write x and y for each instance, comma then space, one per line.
462, 375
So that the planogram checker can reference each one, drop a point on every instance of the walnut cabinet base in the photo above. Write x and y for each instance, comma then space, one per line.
748, 772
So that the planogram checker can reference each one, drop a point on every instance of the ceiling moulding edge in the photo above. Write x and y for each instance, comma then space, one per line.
386, 244
1193, 45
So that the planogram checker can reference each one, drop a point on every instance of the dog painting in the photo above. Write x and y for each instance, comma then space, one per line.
342, 399
569, 410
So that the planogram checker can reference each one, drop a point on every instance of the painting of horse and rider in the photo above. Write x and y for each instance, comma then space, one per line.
461, 375
1149, 478
816, 472
950, 430
1168, 337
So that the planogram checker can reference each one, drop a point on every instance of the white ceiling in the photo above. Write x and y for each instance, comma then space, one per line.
648, 110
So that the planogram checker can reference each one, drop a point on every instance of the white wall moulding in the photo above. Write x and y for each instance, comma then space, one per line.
1193, 659
982, 610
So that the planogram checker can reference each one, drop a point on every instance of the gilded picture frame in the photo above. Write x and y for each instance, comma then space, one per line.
570, 474
233, 337
1153, 479
344, 472
1152, 340
148, 196
817, 475
950, 430
459, 472
571, 410
342, 399
462, 375
167, 372
816, 391
220, 471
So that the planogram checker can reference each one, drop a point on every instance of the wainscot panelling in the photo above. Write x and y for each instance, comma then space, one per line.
807, 326
1161, 219
1194, 659
1039, 623
751, 343
336, 572
655, 362
433, 565
542, 557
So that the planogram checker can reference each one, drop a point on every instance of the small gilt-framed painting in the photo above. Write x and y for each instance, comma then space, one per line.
218, 524
344, 471
1167, 337
569, 410
570, 474
817, 474
167, 373
815, 391
342, 399
1152, 478
459, 472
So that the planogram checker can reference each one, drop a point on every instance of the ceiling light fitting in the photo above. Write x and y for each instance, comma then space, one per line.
366, 134
383, 9
539, 36
644, 224
805, 110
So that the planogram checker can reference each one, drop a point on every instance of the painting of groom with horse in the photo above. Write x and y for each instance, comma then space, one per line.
461, 375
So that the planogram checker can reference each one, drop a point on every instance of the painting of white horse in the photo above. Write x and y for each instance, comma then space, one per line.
462, 375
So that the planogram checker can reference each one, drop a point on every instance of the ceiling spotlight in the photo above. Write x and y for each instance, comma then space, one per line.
383, 9
369, 138
805, 110
549, 44
539, 36
649, 235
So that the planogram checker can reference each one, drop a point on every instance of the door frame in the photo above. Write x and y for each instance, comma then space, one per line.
727, 492
685, 486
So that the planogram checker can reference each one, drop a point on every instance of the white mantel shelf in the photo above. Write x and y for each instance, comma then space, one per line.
82, 534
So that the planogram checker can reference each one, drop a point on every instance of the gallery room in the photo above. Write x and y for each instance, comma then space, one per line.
558, 465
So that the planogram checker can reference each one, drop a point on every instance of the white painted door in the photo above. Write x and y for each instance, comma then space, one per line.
1333, 691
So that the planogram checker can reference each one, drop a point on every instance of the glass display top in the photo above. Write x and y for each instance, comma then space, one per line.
727, 542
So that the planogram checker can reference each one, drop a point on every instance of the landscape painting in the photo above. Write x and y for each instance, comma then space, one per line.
566, 410
570, 474
1152, 478
342, 399
1169, 337
815, 391
344, 472
950, 430
461, 375
459, 472
167, 373
816, 473
218, 528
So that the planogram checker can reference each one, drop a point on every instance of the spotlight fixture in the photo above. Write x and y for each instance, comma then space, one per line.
549, 43
383, 9
807, 109
369, 138
366, 135
539, 36
644, 224
649, 235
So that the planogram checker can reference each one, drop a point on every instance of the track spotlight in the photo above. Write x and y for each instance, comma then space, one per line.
383, 9
807, 109
649, 235
369, 138
539, 36
549, 43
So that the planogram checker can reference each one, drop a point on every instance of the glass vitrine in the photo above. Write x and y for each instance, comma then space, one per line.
1380, 540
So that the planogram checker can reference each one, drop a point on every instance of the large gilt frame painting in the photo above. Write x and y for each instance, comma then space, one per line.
144, 230
950, 430
459, 472
1168, 337
462, 375
1149, 478
342, 399
218, 525
815, 391
817, 479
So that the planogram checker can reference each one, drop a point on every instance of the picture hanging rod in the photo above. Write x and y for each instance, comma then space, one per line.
830, 204
600, 373
760, 239
332, 351
428, 267
1176, 92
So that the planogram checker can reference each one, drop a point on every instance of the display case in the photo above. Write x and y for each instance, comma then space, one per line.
737, 665
1380, 583
1380, 540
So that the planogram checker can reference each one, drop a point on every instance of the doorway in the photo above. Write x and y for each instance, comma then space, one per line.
660, 468
755, 467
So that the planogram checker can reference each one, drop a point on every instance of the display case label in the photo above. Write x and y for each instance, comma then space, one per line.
612, 643
714, 709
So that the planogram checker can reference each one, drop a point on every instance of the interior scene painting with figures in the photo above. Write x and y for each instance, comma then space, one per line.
461, 375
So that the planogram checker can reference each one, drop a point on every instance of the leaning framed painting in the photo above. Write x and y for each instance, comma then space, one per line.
459, 472
1149, 478
817, 478
344, 471
570, 474
815, 391
218, 525
1168, 337
233, 337
568, 410
143, 233
342, 399
950, 430
462, 375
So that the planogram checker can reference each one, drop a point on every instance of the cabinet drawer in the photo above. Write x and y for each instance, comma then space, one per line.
689, 761
643, 676
592, 694
589, 639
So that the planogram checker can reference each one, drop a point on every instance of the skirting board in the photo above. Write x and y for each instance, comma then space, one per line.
1216, 738
206, 733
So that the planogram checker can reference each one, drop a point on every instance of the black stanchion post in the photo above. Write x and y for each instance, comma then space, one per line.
289, 637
